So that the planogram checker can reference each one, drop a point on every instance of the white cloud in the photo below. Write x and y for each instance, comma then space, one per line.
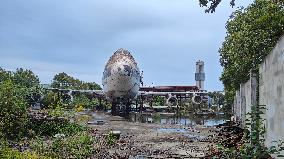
77, 37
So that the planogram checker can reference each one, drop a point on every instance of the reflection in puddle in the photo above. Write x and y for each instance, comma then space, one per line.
187, 121
172, 130
185, 132
195, 136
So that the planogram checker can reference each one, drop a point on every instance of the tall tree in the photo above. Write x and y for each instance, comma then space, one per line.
25, 78
63, 80
252, 33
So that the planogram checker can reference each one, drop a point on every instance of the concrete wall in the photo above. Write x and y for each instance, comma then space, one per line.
272, 92
237, 106
244, 99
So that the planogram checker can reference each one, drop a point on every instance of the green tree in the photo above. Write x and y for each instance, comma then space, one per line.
81, 100
64, 81
50, 100
252, 33
25, 78
158, 100
218, 97
5, 75
91, 86
213, 4
13, 106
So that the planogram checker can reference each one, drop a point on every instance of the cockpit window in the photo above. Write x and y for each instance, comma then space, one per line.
127, 69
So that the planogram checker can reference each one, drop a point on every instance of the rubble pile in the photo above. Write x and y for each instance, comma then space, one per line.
230, 135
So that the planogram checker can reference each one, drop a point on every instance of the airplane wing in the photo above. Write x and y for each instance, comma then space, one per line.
145, 93
98, 92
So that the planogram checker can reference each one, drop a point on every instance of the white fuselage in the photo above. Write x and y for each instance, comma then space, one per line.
121, 79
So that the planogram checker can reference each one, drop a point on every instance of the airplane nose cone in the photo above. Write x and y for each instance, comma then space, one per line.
121, 76
121, 56
121, 62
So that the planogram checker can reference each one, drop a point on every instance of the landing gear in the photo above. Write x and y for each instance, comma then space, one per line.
114, 108
127, 109
120, 108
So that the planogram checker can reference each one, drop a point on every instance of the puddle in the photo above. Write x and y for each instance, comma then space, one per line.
172, 130
184, 132
189, 120
195, 136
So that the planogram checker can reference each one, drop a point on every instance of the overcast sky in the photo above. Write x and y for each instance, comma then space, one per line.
166, 37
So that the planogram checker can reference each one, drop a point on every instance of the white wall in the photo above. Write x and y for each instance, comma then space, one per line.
272, 92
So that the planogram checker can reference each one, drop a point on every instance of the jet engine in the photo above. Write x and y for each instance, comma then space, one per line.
172, 100
67, 97
196, 99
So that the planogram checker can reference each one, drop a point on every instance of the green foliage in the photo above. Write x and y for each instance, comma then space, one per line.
20, 77
158, 100
77, 146
50, 100
157, 117
251, 35
63, 80
90, 86
81, 100
56, 112
253, 146
13, 106
25, 78
5, 75
212, 4
106, 104
9, 153
50, 127
111, 138
94, 102
218, 97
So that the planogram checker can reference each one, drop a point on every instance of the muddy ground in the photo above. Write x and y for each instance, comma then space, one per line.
150, 140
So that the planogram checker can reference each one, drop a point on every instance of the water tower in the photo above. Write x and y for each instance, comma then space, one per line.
200, 75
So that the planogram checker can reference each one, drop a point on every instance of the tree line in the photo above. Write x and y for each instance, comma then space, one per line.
252, 33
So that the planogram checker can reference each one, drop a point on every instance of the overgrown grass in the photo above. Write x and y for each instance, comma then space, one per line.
79, 145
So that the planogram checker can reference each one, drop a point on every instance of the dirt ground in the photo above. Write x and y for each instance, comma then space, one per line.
150, 140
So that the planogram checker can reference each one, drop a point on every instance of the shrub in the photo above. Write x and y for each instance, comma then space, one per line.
111, 138
13, 106
9, 153
49, 100
77, 146
48, 127
81, 100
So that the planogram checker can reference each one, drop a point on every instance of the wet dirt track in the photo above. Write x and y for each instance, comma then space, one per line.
148, 140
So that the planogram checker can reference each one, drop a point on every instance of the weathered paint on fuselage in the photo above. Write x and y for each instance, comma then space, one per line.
121, 77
